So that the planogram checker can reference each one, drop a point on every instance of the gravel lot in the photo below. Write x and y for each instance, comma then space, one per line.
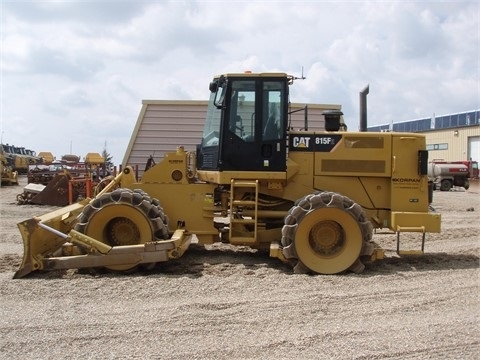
235, 303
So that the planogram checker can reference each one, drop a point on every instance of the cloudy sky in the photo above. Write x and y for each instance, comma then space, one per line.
74, 73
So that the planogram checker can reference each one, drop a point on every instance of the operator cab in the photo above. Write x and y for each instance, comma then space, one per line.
246, 124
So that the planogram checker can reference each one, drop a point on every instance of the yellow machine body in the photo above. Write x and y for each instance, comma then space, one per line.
317, 210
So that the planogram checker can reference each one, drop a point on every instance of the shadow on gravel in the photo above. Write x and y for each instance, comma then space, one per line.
226, 261
424, 262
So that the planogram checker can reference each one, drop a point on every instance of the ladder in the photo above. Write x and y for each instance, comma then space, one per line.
415, 229
244, 237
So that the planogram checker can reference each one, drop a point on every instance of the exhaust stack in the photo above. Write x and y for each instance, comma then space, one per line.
363, 108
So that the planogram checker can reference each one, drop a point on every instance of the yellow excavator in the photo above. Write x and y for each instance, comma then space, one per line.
311, 198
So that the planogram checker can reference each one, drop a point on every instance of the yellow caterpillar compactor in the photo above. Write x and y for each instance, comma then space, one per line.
312, 198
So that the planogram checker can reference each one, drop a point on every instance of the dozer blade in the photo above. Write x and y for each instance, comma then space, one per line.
118, 258
39, 243
56, 192
48, 240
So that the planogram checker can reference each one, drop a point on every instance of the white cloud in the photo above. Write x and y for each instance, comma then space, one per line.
74, 73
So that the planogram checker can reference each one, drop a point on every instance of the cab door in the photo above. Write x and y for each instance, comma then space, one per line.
254, 132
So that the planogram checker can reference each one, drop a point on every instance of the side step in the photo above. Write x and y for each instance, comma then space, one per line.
243, 237
410, 229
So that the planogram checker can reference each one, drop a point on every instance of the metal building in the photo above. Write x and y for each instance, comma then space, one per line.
450, 137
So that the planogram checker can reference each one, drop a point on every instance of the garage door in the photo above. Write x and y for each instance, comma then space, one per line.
474, 148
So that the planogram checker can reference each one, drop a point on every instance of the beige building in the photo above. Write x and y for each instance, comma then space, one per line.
163, 125
450, 137
461, 143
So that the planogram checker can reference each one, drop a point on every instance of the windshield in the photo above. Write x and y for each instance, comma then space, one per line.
211, 131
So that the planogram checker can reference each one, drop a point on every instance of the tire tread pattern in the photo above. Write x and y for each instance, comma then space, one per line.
316, 201
137, 198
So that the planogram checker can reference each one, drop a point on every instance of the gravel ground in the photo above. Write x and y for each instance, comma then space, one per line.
222, 302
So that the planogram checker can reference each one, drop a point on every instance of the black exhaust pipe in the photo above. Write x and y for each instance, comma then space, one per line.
363, 108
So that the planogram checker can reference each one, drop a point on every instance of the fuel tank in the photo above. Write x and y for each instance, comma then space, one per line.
435, 170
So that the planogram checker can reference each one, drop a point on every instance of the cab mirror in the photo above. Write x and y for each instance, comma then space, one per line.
213, 86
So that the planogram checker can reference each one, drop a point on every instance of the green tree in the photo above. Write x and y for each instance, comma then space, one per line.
108, 158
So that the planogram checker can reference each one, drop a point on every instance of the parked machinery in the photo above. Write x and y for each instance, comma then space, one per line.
8, 175
47, 157
62, 182
312, 198
20, 158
